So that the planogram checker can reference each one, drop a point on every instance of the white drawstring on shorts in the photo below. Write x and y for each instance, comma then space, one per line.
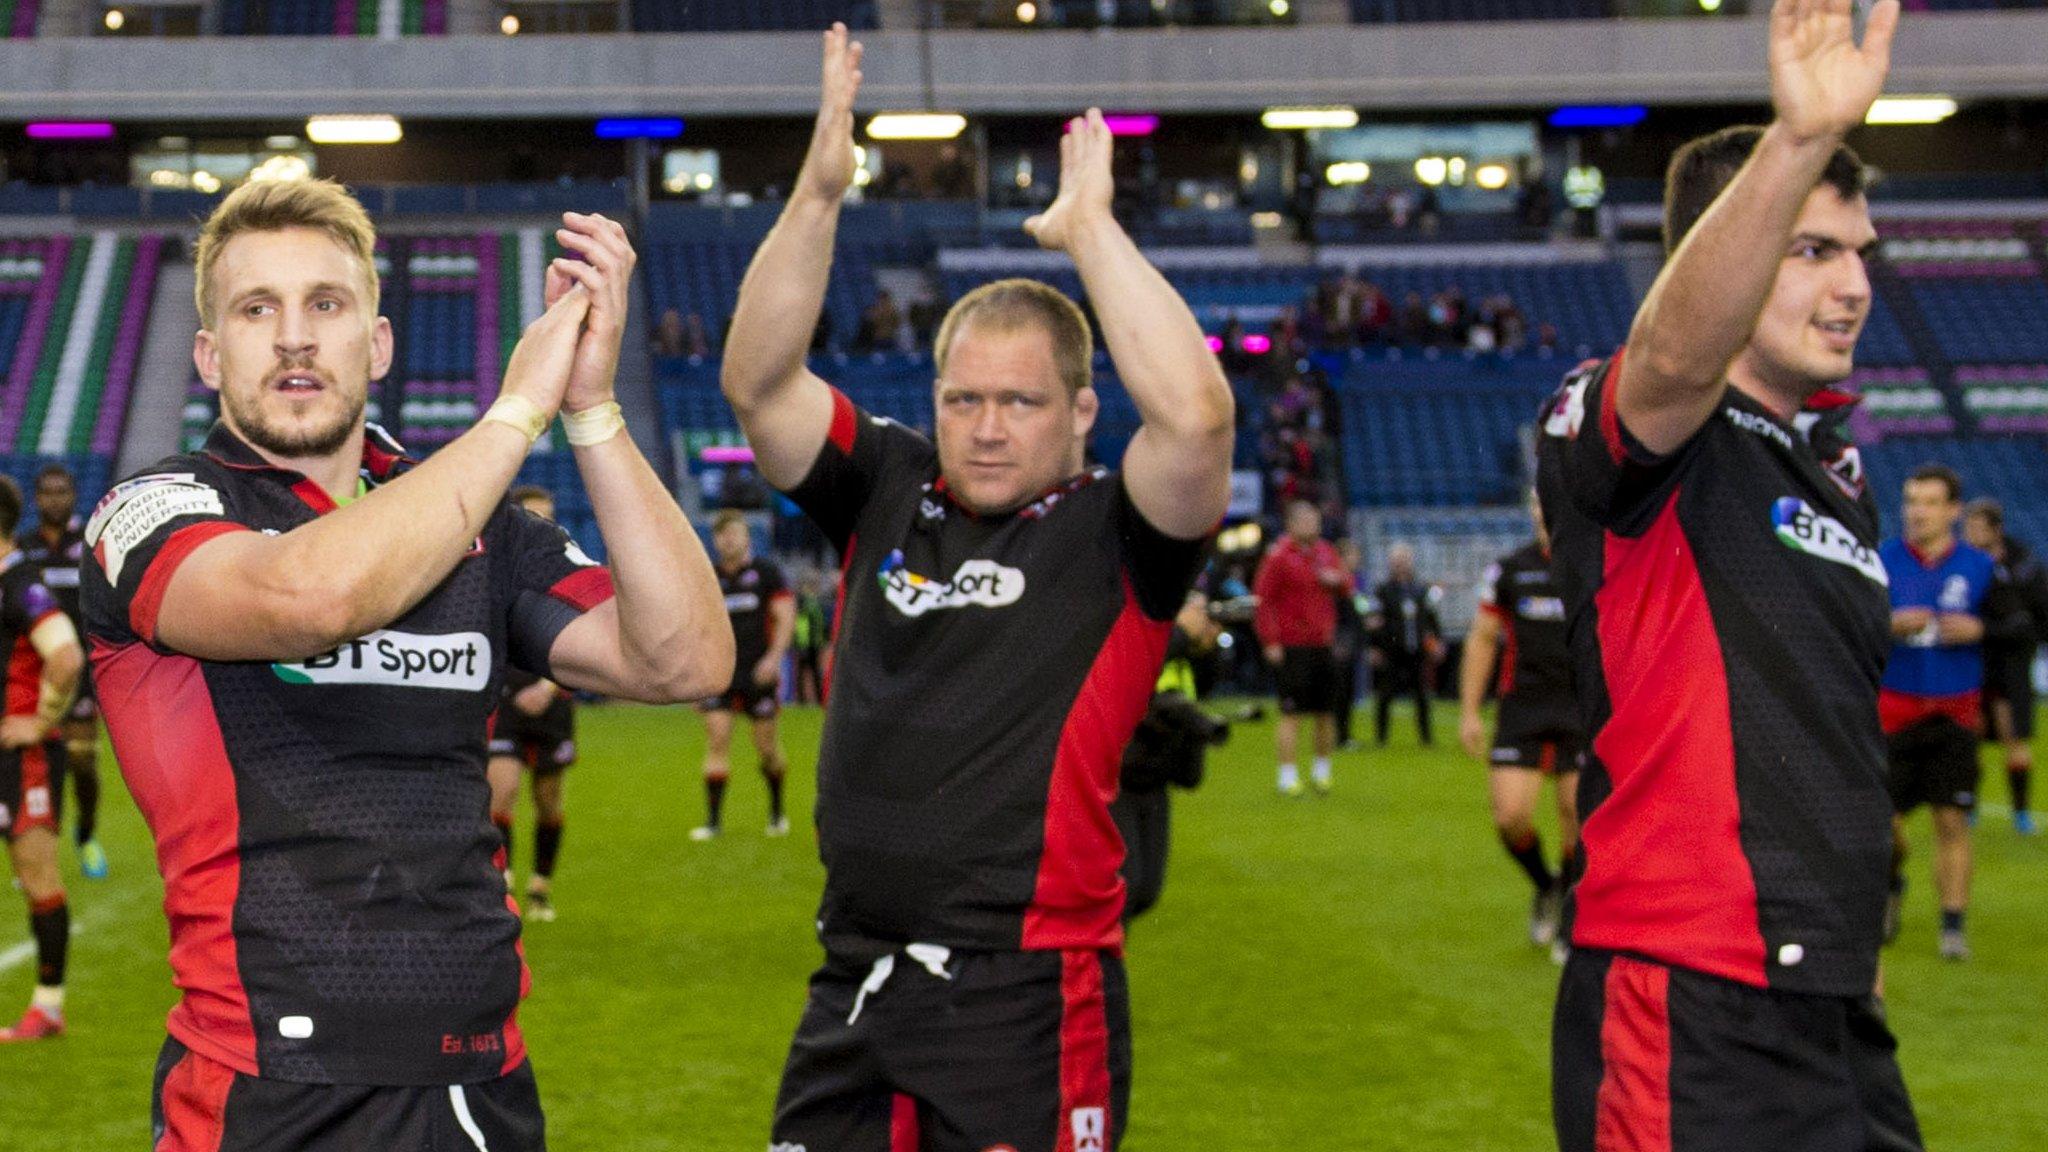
932, 957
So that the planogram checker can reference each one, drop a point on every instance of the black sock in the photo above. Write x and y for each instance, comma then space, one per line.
51, 923
1951, 921
85, 781
547, 841
2021, 781
1529, 854
774, 796
714, 798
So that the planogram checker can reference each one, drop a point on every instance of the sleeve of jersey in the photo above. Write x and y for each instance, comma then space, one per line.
1607, 473
554, 582
859, 449
135, 542
1161, 568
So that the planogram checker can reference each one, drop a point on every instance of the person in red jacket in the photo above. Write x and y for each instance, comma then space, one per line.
1297, 624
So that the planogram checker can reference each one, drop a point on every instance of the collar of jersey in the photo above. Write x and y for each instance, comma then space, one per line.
1927, 561
381, 457
1075, 483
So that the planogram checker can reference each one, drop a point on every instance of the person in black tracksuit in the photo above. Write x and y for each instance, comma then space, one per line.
1407, 642
1168, 749
2015, 623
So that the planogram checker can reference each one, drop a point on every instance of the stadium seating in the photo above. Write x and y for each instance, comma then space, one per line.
73, 314
1987, 320
332, 17
749, 15
18, 18
1419, 432
1899, 401
2006, 398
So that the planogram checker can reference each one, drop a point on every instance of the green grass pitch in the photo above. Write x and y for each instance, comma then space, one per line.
1322, 974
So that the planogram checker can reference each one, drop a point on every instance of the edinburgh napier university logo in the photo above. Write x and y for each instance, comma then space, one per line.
459, 661
1802, 529
130, 513
982, 582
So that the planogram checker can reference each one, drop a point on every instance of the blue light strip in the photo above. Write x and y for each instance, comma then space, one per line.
641, 129
1599, 116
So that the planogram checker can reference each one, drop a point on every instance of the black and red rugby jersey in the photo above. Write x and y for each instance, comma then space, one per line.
59, 564
748, 592
25, 602
556, 722
1729, 622
988, 672
1535, 688
322, 825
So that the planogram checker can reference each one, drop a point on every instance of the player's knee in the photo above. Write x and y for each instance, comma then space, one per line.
1516, 829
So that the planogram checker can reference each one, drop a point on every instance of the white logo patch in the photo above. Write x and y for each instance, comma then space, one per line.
978, 582
128, 515
578, 556
457, 661
1955, 594
1090, 1129
1802, 529
1568, 411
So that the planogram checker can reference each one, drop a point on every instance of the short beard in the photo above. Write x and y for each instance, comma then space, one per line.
325, 441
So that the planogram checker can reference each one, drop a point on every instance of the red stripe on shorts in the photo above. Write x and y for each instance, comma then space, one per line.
1084, 1054
903, 1131
1634, 1104
195, 1105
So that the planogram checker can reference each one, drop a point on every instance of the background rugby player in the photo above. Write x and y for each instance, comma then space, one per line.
56, 544
1006, 611
1729, 622
534, 731
1932, 703
762, 608
1537, 732
1296, 621
2015, 622
43, 665
299, 636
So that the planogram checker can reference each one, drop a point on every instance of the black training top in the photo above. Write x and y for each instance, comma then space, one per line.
988, 672
322, 824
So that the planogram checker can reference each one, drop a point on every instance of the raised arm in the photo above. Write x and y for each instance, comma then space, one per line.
1177, 467
251, 596
784, 409
1704, 307
664, 636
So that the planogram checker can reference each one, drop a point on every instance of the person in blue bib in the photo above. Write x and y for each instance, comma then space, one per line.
1931, 703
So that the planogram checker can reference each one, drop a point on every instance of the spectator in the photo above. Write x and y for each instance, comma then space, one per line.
670, 338
696, 340
878, 324
1407, 642
1411, 324
1236, 361
1375, 314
